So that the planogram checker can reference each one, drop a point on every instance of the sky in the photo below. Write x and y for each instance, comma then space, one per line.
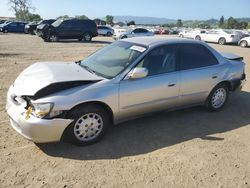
172, 9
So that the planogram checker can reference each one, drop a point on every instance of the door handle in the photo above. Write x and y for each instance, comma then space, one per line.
214, 76
171, 85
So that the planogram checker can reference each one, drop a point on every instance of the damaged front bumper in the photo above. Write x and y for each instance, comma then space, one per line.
35, 129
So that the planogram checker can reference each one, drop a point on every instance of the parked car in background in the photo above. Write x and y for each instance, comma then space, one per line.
173, 32
244, 42
164, 31
16, 27
138, 32
32, 27
70, 29
105, 31
191, 34
3, 23
78, 101
219, 36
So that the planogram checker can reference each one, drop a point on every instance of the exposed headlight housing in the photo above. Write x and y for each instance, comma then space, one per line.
41, 110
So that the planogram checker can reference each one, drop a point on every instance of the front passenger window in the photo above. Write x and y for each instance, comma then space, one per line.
160, 60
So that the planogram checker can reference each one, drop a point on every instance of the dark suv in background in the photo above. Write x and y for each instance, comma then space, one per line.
70, 29
32, 27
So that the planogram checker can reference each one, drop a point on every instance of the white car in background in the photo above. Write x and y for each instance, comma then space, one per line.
105, 31
191, 34
244, 42
219, 36
138, 32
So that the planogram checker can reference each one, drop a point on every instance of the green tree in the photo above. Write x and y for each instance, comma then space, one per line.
179, 23
232, 23
221, 22
34, 17
21, 8
63, 17
248, 26
82, 17
109, 19
242, 25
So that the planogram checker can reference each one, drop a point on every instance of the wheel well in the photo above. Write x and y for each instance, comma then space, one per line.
244, 41
96, 103
221, 38
227, 83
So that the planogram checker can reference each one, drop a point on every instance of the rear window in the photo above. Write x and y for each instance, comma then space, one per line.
193, 56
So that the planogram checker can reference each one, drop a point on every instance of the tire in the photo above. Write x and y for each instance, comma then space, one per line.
243, 44
217, 98
197, 37
53, 38
222, 41
124, 37
5, 30
109, 34
87, 37
181, 36
89, 125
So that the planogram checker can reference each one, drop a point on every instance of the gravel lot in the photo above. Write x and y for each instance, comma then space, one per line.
185, 148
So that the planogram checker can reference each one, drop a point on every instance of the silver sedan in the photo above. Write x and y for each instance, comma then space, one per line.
78, 101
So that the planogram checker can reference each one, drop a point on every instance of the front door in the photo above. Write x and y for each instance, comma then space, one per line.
159, 90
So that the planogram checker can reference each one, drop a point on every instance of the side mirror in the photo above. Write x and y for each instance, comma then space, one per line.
137, 73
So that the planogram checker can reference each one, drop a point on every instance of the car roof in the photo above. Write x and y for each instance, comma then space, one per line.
155, 41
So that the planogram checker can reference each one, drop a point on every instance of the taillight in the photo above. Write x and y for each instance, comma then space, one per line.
232, 36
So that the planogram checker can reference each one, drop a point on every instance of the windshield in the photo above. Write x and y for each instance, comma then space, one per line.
57, 23
113, 59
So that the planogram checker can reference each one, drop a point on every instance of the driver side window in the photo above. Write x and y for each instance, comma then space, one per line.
160, 60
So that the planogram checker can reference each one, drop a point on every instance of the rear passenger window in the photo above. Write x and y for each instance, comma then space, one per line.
193, 56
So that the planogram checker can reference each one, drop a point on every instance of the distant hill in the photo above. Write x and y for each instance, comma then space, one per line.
144, 20
160, 21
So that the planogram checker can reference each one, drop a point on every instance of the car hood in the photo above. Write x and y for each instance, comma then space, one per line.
51, 75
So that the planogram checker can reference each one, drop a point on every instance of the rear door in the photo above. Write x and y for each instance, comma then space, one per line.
199, 73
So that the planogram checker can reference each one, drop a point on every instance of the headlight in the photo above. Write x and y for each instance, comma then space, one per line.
41, 110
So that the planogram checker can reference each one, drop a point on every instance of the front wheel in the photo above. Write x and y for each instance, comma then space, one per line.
217, 98
243, 44
53, 38
5, 30
89, 125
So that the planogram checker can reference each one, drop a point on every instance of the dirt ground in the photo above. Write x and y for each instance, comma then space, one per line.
185, 148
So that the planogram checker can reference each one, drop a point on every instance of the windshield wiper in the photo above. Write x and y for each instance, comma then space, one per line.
88, 69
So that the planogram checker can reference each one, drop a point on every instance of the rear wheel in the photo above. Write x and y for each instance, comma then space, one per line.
243, 44
5, 30
124, 37
109, 34
197, 37
217, 98
89, 125
222, 41
87, 37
